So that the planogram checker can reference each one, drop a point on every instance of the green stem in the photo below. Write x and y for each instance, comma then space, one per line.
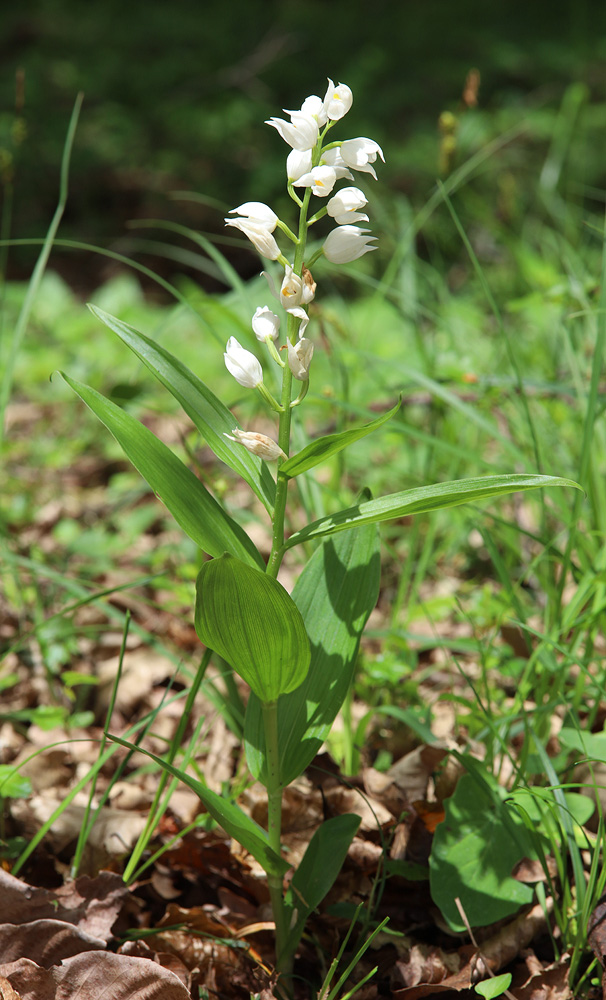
274, 830
277, 544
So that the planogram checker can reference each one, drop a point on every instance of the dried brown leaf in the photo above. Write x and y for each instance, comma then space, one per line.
91, 904
412, 773
92, 975
7, 992
46, 942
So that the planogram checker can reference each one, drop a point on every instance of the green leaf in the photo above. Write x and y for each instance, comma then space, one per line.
208, 413
322, 448
421, 500
252, 622
190, 503
335, 594
316, 874
234, 821
494, 987
475, 849
12, 784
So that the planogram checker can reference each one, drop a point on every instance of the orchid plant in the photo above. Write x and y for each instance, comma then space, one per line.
296, 652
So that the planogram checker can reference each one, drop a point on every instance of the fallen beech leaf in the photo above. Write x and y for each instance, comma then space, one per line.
92, 904
495, 952
46, 942
95, 974
412, 773
597, 931
549, 983
531, 870
426, 964
6, 990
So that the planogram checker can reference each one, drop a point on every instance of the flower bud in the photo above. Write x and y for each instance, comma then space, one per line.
265, 324
258, 444
299, 358
243, 365
346, 243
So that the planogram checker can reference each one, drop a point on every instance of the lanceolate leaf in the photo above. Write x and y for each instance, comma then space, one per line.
250, 620
316, 874
234, 821
421, 500
208, 413
322, 448
335, 594
191, 505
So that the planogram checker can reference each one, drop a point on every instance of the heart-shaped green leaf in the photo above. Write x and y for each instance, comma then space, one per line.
252, 622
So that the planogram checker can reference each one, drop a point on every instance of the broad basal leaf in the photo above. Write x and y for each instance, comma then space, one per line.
421, 500
250, 620
208, 413
190, 503
234, 821
322, 448
474, 852
335, 594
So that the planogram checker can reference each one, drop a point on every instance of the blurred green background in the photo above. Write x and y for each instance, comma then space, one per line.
176, 95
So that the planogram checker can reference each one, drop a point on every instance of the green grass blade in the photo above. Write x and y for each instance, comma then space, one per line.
34, 284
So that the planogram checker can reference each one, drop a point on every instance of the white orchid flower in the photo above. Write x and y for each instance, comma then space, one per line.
337, 100
299, 358
259, 235
344, 205
243, 365
321, 180
301, 132
265, 324
346, 243
332, 158
258, 213
360, 153
298, 162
